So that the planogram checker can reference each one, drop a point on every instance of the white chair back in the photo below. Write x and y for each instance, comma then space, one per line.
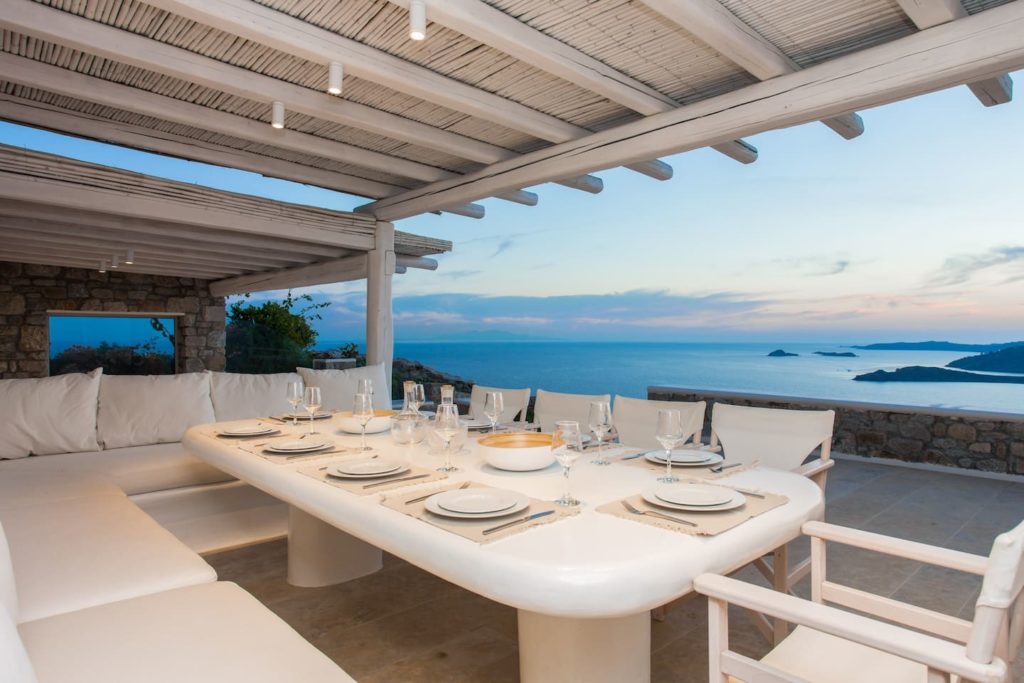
636, 420
776, 437
515, 402
999, 612
552, 407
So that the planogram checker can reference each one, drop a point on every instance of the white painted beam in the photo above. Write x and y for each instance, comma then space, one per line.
967, 50
142, 256
339, 270
380, 324
466, 210
520, 197
420, 262
91, 264
928, 13
713, 24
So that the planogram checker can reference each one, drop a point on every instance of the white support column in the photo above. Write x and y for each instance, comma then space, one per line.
380, 333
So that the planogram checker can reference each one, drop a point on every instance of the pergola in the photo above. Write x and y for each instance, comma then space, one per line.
482, 98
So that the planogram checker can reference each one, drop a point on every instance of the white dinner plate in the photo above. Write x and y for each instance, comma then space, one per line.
653, 496
700, 495
476, 424
298, 446
685, 458
248, 430
322, 415
431, 505
366, 467
476, 501
334, 472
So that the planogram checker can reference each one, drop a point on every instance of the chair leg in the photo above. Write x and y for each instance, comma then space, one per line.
780, 582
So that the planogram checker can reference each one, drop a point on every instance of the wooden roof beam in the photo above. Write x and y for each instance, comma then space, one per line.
50, 259
339, 270
720, 29
928, 13
967, 50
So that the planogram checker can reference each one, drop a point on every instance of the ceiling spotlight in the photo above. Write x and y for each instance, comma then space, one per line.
335, 72
103, 266
113, 261
417, 19
129, 258
277, 115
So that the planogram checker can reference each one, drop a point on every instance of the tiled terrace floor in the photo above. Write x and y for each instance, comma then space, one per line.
403, 624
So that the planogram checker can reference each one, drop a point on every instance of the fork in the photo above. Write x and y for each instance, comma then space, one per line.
651, 513
718, 468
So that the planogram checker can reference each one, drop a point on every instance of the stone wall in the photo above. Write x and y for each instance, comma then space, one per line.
992, 442
28, 291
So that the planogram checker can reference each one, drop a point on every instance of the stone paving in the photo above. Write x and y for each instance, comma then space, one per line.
403, 624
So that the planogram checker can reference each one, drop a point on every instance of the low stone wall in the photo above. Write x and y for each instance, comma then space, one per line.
28, 292
992, 442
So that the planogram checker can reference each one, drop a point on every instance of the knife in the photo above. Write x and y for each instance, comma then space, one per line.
392, 481
521, 520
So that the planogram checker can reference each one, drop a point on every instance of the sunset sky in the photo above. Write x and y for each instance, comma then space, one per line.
914, 230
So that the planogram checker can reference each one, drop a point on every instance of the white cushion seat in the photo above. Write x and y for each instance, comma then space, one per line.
136, 469
211, 633
19, 488
92, 550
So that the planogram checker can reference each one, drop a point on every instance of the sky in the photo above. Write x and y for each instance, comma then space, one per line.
914, 230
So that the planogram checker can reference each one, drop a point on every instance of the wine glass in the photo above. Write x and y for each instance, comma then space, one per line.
365, 386
446, 426
494, 405
311, 402
600, 424
566, 444
296, 394
362, 411
670, 434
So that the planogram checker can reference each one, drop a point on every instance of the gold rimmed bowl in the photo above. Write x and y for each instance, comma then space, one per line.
517, 451
380, 422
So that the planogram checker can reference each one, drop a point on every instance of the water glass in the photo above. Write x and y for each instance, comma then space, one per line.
296, 394
311, 402
362, 411
669, 435
566, 444
494, 405
446, 426
600, 424
365, 386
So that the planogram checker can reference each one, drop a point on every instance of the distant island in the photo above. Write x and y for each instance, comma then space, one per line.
836, 354
1007, 360
779, 353
937, 346
919, 373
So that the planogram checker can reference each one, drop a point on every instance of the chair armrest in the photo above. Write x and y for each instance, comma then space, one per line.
815, 467
898, 547
928, 650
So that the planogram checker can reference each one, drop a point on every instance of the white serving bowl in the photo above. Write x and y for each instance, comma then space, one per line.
380, 422
517, 451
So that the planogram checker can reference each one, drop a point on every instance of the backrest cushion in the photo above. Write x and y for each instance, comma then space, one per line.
8, 590
15, 666
551, 407
513, 400
636, 419
49, 415
776, 437
147, 409
238, 396
338, 387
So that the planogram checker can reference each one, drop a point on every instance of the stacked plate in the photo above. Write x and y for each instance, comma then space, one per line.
686, 457
303, 415
298, 446
248, 430
367, 468
477, 503
694, 497
475, 424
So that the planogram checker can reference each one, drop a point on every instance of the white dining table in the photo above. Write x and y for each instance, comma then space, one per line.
583, 585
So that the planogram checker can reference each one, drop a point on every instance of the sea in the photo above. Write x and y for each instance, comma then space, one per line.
628, 368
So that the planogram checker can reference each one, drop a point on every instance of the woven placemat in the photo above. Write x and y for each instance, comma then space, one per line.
702, 472
473, 529
366, 487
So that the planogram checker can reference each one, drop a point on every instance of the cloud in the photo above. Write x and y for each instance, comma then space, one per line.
959, 269
836, 267
458, 274
503, 246
813, 266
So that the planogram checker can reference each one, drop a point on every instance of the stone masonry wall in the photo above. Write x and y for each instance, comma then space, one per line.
993, 442
28, 291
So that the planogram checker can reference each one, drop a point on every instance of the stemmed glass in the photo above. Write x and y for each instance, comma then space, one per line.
296, 394
494, 405
311, 402
417, 398
670, 434
362, 411
566, 444
365, 386
446, 426
600, 424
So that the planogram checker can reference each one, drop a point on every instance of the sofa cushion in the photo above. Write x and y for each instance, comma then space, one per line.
15, 666
237, 396
202, 634
49, 415
84, 552
22, 485
8, 591
338, 387
141, 469
148, 409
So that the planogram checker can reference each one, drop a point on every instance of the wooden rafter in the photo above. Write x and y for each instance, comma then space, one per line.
967, 50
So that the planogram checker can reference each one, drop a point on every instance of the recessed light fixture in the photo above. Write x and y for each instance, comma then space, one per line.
129, 258
114, 261
277, 115
417, 19
335, 73
103, 266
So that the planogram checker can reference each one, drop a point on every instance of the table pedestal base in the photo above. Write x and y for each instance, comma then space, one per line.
562, 650
321, 555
